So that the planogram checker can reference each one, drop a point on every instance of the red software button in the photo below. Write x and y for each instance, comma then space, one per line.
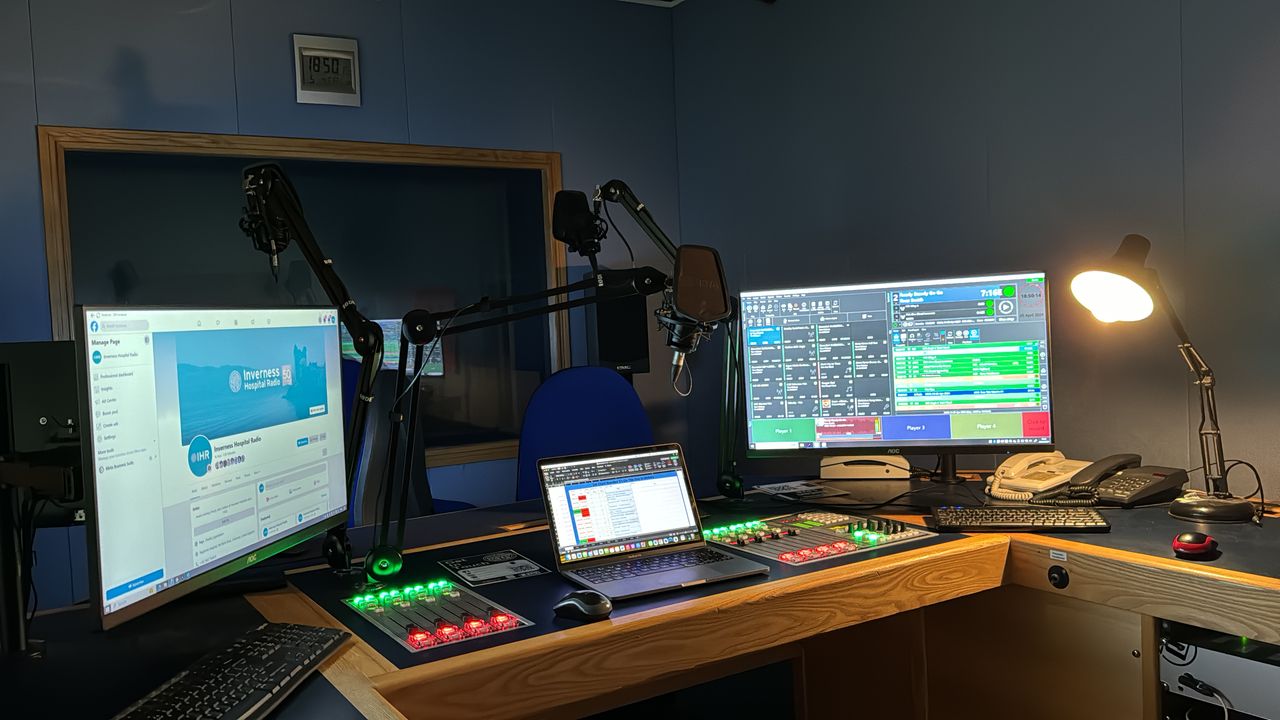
842, 427
1035, 424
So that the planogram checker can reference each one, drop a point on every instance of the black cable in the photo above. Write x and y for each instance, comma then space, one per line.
417, 374
1262, 496
621, 237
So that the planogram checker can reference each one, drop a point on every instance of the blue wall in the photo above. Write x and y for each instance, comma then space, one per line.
829, 140
589, 79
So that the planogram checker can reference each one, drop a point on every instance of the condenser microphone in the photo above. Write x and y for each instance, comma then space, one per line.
698, 300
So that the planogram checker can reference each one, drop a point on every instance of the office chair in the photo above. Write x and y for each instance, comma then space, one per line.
578, 410
363, 494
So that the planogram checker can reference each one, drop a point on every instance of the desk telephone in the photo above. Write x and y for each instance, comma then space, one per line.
1053, 479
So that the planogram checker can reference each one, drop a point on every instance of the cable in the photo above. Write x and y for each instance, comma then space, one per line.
675, 381
1226, 706
417, 375
1262, 496
1204, 688
621, 237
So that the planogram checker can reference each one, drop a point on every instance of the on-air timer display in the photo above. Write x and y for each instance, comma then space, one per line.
937, 363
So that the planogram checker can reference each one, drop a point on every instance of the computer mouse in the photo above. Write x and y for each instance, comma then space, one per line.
584, 605
1194, 545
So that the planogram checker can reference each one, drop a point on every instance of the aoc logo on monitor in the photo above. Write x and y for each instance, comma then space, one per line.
199, 455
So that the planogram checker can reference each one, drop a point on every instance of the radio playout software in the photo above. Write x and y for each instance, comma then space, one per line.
619, 504
936, 363
214, 433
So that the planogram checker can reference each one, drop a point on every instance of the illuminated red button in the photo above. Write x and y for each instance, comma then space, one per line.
446, 632
475, 626
808, 552
501, 620
789, 557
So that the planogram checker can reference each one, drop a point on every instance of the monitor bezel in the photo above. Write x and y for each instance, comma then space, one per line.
895, 449
213, 574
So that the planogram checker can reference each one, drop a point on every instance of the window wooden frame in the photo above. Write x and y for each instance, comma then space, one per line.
55, 142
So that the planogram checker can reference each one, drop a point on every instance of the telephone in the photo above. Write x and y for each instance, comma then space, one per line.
1052, 479
1024, 474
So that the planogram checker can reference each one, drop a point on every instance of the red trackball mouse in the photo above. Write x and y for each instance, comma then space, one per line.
1194, 544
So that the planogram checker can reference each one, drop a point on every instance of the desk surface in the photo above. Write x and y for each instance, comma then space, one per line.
561, 664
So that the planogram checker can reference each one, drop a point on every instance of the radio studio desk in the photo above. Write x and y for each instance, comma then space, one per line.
950, 627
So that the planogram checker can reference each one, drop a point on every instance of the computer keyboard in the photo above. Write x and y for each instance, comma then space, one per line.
245, 679
1020, 519
650, 565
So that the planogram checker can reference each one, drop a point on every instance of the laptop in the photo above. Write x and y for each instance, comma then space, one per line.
624, 523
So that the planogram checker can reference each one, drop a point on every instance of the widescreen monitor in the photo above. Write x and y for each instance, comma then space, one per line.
215, 440
928, 366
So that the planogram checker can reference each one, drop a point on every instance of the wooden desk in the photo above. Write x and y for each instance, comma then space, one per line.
928, 612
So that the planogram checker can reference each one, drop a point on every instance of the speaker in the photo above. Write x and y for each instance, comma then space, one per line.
622, 334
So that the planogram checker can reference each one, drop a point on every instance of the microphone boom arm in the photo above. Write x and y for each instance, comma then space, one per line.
617, 191
272, 218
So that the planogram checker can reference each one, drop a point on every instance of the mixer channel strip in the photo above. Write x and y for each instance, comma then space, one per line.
803, 538
422, 616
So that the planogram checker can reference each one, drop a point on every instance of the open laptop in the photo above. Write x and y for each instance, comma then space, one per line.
624, 523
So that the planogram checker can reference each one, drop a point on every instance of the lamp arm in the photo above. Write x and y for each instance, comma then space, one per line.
1211, 453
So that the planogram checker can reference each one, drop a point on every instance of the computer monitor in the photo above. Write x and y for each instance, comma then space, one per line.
929, 366
391, 350
213, 440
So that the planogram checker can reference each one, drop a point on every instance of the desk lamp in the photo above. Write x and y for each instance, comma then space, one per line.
1124, 290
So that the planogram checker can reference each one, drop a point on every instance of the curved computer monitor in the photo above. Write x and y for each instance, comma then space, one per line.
213, 440
928, 366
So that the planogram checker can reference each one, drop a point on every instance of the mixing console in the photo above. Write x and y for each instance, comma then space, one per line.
421, 616
813, 536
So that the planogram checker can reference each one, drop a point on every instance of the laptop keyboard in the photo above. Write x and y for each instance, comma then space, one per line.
647, 566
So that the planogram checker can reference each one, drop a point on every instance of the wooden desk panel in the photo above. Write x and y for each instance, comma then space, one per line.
1193, 593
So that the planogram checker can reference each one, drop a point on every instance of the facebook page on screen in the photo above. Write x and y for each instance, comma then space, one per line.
215, 432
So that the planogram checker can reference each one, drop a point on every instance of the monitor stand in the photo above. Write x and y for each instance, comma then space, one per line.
947, 470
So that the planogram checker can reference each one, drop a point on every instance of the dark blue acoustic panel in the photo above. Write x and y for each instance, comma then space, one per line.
22, 273
147, 64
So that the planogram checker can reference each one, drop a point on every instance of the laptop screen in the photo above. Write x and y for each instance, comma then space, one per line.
616, 503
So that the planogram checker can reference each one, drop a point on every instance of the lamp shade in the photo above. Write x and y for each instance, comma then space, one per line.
1116, 291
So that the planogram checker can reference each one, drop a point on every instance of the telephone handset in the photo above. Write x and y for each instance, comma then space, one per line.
1022, 476
1093, 475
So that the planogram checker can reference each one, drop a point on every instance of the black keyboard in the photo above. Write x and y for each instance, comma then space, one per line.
245, 679
649, 565
1019, 519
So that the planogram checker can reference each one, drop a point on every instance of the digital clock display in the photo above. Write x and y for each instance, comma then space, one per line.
327, 72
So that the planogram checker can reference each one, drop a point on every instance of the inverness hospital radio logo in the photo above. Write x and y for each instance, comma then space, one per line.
234, 381
199, 455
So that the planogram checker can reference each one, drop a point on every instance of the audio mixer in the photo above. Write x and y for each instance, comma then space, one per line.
808, 537
422, 616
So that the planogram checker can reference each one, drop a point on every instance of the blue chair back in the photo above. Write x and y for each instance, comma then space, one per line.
578, 410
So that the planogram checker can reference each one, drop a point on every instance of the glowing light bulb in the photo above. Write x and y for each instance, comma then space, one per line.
1111, 297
